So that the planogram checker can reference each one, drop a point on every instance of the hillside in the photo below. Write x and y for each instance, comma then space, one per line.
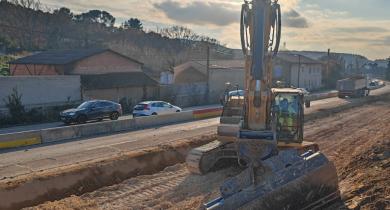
29, 26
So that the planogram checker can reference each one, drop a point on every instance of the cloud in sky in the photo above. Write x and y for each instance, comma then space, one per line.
360, 29
199, 12
308, 24
293, 19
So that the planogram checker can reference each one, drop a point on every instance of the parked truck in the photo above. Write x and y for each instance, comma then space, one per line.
353, 87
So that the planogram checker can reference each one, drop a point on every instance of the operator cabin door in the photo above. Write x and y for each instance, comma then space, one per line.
290, 116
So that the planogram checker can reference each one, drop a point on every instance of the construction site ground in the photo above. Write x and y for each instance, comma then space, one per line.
357, 141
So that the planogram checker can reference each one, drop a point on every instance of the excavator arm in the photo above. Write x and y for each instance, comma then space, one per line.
260, 37
274, 178
281, 171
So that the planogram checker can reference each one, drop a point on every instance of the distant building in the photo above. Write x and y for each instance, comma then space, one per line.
237, 54
220, 73
352, 63
298, 71
75, 62
376, 69
130, 88
166, 78
105, 74
382, 63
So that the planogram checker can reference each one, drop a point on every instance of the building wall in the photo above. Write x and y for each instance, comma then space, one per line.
31, 69
132, 95
166, 78
38, 90
185, 95
107, 62
310, 76
189, 75
219, 78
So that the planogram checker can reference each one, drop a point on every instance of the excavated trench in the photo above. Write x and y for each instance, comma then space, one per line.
77, 180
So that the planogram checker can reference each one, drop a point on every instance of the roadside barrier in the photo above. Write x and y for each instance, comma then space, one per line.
51, 135
20, 139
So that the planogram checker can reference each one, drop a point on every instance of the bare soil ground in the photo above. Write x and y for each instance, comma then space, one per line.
357, 141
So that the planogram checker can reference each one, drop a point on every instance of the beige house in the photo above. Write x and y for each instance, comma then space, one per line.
105, 74
74, 62
128, 88
220, 72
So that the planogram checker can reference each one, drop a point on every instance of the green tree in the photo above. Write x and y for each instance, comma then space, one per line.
4, 68
59, 27
63, 11
96, 16
336, 68
4, 71
133, 23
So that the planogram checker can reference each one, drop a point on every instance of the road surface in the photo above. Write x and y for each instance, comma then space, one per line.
41, 126
17, 162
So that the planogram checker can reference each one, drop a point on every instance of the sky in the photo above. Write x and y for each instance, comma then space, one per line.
350, 26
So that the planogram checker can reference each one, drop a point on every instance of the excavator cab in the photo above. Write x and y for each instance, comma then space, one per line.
289, 111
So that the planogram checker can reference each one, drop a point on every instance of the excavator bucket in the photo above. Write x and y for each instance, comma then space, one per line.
287, 181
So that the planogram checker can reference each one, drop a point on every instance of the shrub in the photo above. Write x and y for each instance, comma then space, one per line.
15, 107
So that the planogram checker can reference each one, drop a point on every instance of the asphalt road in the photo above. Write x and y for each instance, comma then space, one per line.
22, 161
41, 126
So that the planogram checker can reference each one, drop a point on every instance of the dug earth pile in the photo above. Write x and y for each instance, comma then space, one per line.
357, 141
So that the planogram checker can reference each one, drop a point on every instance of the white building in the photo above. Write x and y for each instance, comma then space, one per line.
298, 71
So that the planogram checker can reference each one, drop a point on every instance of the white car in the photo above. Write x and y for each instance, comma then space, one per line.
149, 108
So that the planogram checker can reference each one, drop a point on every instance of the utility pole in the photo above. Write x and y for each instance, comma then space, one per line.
388, 70
299, 71
208, 73
327, 70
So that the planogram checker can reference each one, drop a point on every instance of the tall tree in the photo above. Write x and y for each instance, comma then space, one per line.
63, 12
133, 23
97, 16
336, 67
59, 27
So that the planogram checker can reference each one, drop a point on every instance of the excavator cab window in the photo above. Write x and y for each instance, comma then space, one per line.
289, 117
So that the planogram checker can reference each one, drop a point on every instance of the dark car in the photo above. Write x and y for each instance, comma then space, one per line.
92, 110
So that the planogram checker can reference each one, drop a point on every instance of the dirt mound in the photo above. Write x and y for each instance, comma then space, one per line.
365, 181
73, 202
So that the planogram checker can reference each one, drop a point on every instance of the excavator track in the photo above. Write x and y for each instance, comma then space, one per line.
202, 159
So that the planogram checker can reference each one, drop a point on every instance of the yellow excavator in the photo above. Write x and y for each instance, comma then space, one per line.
263, 132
